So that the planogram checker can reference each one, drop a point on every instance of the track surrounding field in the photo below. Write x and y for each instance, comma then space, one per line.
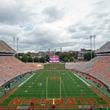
54, 83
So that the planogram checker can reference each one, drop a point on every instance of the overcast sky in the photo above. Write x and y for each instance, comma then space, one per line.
44, 24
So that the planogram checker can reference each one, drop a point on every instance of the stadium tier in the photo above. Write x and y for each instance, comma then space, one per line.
99, 68
35, 65
5, 49
53, 85
11, 67
104, 50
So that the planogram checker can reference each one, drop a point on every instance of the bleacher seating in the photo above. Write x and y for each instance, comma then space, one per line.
35, 65
99, 67
4, 47
11, 67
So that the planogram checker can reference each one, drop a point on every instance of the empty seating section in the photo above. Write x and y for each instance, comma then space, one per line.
4, 47
99, 67
11, 67
35, 65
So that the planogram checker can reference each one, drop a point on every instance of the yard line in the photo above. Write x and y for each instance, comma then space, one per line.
28, 79
60, 87
46, 87
82, 80
63, 85
43, 92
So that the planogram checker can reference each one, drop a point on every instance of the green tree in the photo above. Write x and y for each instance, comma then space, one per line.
46, 58
36, 59
87, 56
42, 59
71, 59
30, 59
24, 58
65, 59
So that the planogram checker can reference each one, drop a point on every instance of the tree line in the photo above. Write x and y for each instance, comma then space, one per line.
64, 57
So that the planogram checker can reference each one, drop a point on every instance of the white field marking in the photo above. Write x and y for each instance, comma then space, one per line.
60, 87
26, 80
81, 90
30, 86
54, 98
39, 84
82, 80
32, 83
63, 73
46, 87
47, 90
26, 91
64, 89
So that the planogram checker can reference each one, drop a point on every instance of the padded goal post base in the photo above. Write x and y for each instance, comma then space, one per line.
22, 108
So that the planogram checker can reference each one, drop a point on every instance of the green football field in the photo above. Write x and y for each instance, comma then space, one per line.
54, 83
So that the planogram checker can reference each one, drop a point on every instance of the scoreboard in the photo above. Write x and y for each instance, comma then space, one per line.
54, 59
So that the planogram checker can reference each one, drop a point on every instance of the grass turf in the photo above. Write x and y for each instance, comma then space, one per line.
54, 82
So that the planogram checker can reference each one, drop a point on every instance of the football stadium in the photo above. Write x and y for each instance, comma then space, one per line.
54, 54
54, 85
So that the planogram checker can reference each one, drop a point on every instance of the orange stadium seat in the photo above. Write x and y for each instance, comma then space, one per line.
99, 67
11, 67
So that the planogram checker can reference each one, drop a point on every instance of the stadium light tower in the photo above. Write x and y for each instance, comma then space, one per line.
14, 42
91, 45
54, 51
94, 36
17, 43
61, 49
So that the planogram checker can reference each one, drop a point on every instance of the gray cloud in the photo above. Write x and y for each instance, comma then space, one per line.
98, 2
9, 30
53, 14
41, 31
12, 12
72, 29
40, 39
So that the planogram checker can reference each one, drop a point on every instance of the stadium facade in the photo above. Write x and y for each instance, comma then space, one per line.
104, 50
5, 49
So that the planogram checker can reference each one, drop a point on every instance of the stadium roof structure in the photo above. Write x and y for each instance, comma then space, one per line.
105, 47
5, 48
104, 50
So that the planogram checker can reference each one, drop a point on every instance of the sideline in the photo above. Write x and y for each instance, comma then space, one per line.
26, 80
82, 80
